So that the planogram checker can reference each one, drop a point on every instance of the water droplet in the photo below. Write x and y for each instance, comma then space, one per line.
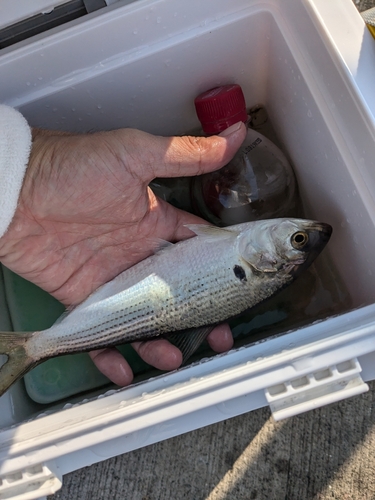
110, 392
309, 113
40, 78
158, 19
135, 32
28, 84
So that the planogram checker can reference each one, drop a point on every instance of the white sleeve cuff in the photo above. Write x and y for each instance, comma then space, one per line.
15, 146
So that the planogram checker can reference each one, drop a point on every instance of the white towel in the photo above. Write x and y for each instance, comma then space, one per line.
15, 146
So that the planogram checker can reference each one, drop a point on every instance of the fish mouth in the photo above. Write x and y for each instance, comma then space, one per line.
319, 233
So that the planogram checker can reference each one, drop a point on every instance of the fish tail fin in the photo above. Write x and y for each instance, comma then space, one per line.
18, 362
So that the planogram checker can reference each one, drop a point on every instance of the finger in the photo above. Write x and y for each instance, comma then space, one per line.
113, 365
169, 222
180, 156
159, 353
187, 155
221, 338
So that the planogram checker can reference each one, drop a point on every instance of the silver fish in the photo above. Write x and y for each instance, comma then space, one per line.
187, 287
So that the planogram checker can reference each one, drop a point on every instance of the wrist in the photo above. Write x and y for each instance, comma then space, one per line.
23, 223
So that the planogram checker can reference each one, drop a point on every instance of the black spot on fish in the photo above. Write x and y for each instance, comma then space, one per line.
239, 273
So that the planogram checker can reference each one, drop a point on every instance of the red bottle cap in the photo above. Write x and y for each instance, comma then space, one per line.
221, 107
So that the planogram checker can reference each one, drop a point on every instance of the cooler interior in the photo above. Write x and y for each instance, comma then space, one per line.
125, 81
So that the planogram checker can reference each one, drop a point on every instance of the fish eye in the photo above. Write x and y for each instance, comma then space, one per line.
299, 240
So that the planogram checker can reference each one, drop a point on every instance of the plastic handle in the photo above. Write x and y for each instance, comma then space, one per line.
316, 389
32, 483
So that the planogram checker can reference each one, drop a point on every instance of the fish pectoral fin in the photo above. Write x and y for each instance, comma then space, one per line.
189, 340
18, 362
211, 233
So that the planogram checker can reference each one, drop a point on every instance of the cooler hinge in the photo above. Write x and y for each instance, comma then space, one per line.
316, 389
34, 482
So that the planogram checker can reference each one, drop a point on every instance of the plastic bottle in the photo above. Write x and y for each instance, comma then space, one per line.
258, 183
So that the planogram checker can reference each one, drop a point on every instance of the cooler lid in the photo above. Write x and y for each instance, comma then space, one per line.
23, 19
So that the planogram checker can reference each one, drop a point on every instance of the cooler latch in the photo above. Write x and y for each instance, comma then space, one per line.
316, 389
31, 483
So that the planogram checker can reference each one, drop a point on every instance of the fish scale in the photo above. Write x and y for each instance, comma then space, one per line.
158, 296
186, 288
162, 301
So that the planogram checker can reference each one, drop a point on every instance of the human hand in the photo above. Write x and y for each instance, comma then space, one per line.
86, 213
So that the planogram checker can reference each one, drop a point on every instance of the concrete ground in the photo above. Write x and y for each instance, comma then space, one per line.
325, 454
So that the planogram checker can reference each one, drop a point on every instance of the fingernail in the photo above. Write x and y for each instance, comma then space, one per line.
230, 130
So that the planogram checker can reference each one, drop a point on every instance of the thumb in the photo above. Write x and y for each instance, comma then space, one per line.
187, 155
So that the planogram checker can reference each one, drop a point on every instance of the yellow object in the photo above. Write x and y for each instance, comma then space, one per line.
369, 18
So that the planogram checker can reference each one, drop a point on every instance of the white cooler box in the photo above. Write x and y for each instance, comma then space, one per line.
140, 64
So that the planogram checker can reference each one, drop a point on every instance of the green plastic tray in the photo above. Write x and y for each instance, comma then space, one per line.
32, 309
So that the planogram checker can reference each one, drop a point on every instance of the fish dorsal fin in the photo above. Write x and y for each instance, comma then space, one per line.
211, 233
158, 245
